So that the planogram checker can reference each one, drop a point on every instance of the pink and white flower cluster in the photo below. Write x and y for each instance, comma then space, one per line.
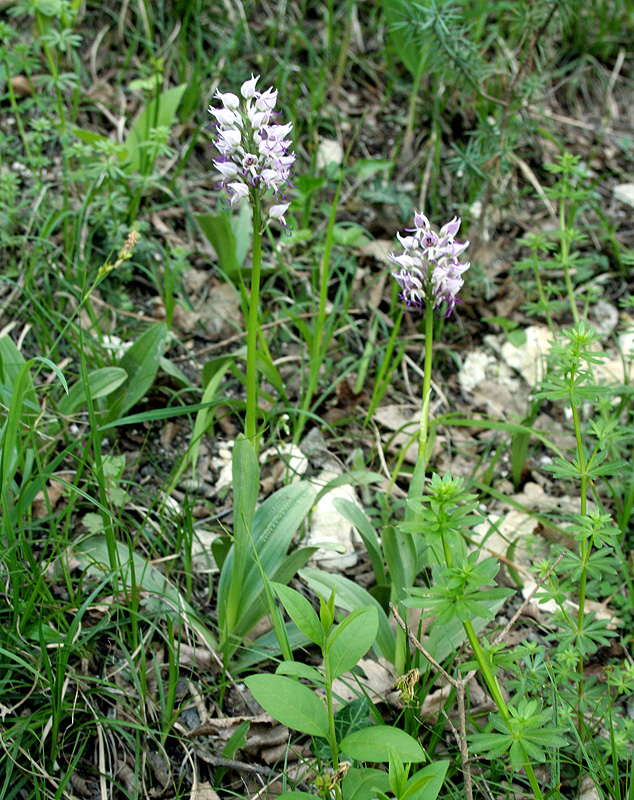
254, 149
429, 265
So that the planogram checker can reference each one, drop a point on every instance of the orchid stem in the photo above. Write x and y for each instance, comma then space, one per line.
252, 327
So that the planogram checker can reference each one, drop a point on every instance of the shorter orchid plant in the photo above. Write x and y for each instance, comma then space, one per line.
430, 273
430, 276
255, 160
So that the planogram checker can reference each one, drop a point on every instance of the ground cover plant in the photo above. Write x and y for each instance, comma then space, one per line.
316, 414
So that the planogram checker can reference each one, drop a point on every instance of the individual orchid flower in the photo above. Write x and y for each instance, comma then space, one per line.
429, 268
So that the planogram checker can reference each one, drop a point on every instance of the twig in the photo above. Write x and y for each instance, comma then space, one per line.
219, 761
522, 608
459, 685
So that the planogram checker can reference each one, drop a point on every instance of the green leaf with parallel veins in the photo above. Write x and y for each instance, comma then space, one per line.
140, 363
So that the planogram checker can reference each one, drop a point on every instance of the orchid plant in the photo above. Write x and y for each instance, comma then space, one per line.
430, 276
255, 160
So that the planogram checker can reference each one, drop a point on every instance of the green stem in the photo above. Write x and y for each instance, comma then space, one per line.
332, 734
317, 343
252, 325
496, 694
563, 228
417, 485
585, 550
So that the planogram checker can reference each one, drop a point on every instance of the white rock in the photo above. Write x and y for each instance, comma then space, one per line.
329, 151
529, 359
223, 463
474, 370
626, 344
500, 532
202, 558
605, 317
625, 193
404, 419
294, 461
329, 530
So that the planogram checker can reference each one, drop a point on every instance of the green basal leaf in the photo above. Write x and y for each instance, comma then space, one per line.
101, 383
140, 362
350, 596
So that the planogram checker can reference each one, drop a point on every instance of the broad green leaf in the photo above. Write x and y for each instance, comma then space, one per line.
160, 112
396, 770
282, 575
363, 783
290, 703
354, 514
427, 782
237, 740
246, 484
274, 525
297, 669
300, 611
352, 639
11, 361
400, 554
218, 231
11, 442
92, 554
101, 383
140, 363
88, 137
349, 596
372, 744
175, 372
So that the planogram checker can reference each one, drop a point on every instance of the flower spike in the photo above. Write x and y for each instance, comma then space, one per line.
428, 265
255, 151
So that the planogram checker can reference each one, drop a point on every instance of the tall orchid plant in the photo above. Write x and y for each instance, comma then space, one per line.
430, 276
255, 160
